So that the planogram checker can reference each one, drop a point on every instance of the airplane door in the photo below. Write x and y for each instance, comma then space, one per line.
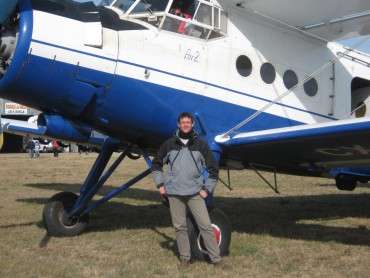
95, 73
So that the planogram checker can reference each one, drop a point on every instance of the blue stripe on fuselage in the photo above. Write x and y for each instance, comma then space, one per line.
184, 77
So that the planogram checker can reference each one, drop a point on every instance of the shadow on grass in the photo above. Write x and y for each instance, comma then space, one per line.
168, 243
44, 241
275, 216
18, 225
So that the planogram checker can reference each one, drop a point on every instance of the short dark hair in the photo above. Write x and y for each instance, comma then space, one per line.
185, 115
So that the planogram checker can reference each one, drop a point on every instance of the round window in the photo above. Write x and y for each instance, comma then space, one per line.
311, 87
268, 73
290, 79
244, 65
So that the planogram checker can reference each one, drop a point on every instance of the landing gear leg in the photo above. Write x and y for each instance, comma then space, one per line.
67, 214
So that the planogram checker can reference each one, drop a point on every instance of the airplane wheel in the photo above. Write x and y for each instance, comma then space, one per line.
345, 182
55, 216
222, 232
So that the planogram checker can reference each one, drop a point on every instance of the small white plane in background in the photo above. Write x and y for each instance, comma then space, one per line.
269, 86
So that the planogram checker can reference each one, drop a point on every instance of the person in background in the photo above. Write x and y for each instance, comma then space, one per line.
37, 149
179, 8
31, 148
56, 147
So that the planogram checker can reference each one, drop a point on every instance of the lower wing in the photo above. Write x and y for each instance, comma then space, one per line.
32, 129
306, 149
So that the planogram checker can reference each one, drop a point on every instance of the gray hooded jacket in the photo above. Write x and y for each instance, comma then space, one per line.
186, 166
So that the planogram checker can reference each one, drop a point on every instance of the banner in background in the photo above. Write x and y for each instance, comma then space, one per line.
11, 108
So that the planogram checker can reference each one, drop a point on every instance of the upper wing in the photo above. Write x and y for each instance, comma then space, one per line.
306, 149
330, 19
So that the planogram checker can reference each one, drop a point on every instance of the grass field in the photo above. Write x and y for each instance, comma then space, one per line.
310, 230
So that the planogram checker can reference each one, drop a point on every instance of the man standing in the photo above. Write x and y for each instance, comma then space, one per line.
187, 156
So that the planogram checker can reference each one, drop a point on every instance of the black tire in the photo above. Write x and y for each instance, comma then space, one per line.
54, 216
345, 182
220, 222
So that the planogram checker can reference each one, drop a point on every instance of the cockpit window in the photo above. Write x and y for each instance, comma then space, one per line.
203, 19
150, 6
197, 18
204, 13
142, 6
123, 5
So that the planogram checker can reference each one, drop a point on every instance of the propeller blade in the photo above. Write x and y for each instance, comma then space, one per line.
6, 9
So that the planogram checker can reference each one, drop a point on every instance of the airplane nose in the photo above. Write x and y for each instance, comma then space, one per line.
8, 33
15, 41
6, 9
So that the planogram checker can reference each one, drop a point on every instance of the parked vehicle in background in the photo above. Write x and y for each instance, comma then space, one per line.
46, 146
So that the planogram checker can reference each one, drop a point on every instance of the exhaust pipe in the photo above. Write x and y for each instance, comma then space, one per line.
61, 128
58, 127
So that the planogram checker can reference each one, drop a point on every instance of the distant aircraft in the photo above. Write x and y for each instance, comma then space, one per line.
269, 87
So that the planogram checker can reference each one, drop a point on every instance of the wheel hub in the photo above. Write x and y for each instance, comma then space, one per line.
65, 219
218, 235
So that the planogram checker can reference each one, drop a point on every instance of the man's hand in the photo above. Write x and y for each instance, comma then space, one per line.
162, 191
203, 194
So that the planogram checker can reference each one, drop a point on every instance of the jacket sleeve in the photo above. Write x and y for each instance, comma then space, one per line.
212, 168
157, 165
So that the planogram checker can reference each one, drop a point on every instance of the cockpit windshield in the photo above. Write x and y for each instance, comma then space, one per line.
141, 6
203, 19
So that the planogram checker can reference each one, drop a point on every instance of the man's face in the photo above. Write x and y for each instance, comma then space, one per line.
186, 125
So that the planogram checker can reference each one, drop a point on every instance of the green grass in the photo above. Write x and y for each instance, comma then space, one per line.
310, 230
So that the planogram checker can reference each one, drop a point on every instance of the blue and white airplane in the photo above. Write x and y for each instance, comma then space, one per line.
268, 83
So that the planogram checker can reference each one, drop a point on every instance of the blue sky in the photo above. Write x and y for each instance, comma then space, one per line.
364, 47
352, 42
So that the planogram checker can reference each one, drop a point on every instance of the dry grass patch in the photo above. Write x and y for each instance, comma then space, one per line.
310, 230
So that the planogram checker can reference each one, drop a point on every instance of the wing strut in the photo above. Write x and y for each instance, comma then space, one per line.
274, 186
